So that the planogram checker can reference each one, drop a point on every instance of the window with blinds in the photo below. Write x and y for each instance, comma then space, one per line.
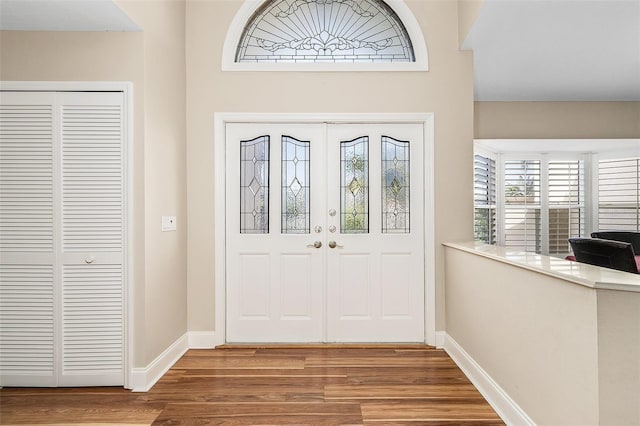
484, 199
619, 194
522, 230
566, 204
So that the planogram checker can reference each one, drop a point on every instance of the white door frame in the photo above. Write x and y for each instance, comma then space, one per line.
220, 120
127, 90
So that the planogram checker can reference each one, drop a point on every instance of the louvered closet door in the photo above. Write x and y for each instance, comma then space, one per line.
92, 237
27, 332
62, 239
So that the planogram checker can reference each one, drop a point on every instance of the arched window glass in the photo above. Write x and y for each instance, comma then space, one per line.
324, 31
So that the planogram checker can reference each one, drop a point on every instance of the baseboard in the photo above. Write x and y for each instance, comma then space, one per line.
440, 336
506, 408
143, 379
203, 340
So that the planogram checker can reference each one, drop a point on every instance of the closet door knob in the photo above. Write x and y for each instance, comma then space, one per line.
89, 259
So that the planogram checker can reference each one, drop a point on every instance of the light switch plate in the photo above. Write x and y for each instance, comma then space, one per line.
168, 223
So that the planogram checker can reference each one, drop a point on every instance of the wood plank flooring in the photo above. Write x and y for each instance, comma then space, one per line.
274, 385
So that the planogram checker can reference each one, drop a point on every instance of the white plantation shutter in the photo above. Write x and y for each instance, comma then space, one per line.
522, 205
619, 195
566, 204
484, 189
62, 239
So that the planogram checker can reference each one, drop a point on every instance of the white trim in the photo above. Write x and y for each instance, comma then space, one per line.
440, 337
202, 339
499, 400
429, 231
249, 7
220, 120
143, 379
129, 260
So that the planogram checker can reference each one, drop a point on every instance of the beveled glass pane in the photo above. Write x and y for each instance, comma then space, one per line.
254, 186
296, 215
354, 186
395, 186
325, 31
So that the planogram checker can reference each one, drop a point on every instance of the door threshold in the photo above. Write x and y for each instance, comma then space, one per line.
402, 346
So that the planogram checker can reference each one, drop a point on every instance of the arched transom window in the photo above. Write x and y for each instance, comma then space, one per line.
325, 31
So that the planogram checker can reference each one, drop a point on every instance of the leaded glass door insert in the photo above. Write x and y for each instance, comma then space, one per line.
295, 211
254, 185
354, 186
336, 257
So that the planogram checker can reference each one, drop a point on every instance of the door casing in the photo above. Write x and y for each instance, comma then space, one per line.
220, 121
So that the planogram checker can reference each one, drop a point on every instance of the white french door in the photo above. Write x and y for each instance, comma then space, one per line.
324, 232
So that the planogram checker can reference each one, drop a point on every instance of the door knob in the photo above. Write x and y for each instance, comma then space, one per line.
89, 259
316, 244
333, 244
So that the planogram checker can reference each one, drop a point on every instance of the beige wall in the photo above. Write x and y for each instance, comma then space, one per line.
63, 56
619, 357
536, 336
154, 61
445, 90
564, 120
163, 25
468, 11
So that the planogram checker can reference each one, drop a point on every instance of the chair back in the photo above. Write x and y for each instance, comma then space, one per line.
606, 253
624, 236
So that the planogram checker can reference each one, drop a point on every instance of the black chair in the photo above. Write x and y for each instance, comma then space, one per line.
624, 236
606, 253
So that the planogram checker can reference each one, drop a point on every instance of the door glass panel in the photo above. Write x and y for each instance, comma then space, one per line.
354, 186
296, 217
254, 186
395, 186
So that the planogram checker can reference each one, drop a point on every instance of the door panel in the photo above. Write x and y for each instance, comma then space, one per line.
275, 276
347, 268
375, 281
27, 258
92, 197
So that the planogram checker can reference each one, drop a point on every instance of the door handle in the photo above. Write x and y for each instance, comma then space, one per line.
316, 244
333, 244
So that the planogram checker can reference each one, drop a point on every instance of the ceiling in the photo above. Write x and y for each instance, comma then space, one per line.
64, 15
524, 50
556, 50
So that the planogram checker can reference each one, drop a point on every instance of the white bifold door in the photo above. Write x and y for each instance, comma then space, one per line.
62, 233
324, 232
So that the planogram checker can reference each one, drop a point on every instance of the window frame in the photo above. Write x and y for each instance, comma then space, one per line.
586, 204
591, 151
249, 7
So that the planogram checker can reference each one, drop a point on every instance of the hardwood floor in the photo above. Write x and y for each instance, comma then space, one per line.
313, 385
